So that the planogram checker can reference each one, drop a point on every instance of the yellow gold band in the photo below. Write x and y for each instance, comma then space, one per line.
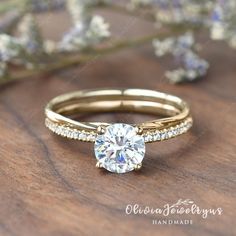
176, 111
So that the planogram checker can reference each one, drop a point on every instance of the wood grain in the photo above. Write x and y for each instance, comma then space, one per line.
50, 186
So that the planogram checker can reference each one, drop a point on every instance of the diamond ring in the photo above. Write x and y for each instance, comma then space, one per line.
118, 147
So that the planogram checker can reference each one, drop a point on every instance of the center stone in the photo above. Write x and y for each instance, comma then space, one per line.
120, 149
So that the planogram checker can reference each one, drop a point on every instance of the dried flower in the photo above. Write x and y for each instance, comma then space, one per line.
223, 19
179, 11
191, 66
85, 34
98, 30
163, 47
50, 46
77, 10
30, 36
9, 47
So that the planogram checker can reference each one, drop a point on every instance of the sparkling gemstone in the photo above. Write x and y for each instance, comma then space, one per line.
120, 149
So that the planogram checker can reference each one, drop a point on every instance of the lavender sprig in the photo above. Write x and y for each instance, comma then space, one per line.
189, 65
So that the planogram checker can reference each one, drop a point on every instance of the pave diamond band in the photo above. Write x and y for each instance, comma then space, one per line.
69, 132
149, 137
118, 147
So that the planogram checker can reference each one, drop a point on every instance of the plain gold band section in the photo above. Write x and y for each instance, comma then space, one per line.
175, 110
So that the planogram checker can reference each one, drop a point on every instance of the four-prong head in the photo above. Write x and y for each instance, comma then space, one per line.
120, 149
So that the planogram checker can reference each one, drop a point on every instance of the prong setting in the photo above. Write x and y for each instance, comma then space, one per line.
139, 130
99, 165
101, 129
138, 167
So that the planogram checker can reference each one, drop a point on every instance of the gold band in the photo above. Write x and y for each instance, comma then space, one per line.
176, 111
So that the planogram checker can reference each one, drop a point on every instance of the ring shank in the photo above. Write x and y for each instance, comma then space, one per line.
60, 108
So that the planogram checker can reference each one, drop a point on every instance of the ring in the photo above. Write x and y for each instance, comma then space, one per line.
118, 147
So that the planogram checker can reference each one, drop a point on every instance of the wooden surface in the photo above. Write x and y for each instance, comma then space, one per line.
50, 186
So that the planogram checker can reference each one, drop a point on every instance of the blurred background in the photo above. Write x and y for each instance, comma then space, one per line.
45, 36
